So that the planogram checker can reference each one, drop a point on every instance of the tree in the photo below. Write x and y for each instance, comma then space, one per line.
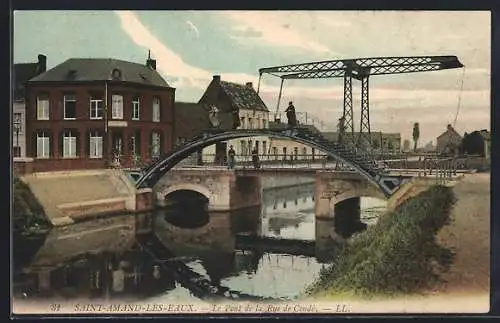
406, 145
416, 135
473, 144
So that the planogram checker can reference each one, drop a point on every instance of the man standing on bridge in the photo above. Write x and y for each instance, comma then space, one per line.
290, 115
231, 157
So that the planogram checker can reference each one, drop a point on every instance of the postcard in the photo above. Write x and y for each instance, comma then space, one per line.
251, 162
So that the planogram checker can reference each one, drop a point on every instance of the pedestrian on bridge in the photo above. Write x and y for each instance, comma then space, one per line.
231, 157
290, 115
255, 158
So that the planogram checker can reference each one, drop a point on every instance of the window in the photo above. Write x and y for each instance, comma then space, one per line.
96, 107
18, 124
156, 110
136, 105
264, 147
69, 144
275, 152
155, 144
69, 107
95, 144
134, 143
265, 124
42, 145
242, 122
304, 151
42, 108
250, 123
117, 106
16, 150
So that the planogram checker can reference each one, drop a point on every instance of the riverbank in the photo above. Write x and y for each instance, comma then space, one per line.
414, 259
28, 215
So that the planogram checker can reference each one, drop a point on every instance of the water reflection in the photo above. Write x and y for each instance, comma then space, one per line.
163, 256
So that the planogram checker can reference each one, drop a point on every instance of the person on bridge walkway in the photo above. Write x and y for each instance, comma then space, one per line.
231, 157
255, 158
290, 115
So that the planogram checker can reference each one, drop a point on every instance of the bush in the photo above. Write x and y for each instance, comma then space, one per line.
399, 254
28, 214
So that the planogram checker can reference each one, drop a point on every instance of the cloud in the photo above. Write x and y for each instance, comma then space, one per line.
270, 28
168, 62
194, 28
391, 107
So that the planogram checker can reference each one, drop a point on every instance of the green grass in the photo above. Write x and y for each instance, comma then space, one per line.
28, 214
398, 255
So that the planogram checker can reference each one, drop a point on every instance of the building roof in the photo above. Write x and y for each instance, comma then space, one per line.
451, 131
192, 118
20, 75
243, 96
101, 69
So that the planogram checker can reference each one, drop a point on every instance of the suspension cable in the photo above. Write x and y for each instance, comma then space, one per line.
459, 96
279, 99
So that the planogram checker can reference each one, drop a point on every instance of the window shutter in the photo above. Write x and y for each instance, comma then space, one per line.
151, 141
162, 144
34, 145
77, 144
61, 143
87, 140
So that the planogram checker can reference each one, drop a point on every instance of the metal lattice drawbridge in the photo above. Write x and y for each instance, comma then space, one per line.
348, 150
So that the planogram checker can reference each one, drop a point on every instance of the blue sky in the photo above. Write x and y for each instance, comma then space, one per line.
191, 46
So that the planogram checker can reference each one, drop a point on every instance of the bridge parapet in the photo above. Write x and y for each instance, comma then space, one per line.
224, 189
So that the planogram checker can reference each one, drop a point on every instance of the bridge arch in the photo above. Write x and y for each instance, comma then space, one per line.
360, 162
162, 193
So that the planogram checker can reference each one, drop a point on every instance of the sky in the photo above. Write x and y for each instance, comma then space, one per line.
192, 46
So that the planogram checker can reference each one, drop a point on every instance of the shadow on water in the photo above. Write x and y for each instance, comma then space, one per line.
182, 252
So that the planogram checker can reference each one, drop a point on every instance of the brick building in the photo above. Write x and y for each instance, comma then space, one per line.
21, 73
91, 113
252, 112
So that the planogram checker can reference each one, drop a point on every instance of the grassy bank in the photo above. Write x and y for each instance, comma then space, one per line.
397, 255
28, 216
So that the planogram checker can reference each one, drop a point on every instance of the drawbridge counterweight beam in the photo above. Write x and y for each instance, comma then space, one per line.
360, 69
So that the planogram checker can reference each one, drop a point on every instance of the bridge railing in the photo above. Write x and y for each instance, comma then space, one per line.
269, 161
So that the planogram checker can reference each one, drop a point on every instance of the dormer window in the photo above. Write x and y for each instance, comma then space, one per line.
116, 75
71, 75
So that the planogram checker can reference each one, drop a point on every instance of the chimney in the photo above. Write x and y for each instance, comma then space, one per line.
249, 85
449, 127
217, 78
42, 63
151, 63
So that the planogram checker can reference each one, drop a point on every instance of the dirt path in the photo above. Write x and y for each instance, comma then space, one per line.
469, 236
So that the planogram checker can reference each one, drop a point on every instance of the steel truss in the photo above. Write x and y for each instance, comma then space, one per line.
360, 69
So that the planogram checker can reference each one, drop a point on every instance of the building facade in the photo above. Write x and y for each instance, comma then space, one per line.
21, 73
252, 113
96, 113
448, 142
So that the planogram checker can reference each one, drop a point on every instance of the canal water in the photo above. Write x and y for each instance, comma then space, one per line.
169, 257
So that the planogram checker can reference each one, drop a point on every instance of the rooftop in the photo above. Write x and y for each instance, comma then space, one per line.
101, 69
